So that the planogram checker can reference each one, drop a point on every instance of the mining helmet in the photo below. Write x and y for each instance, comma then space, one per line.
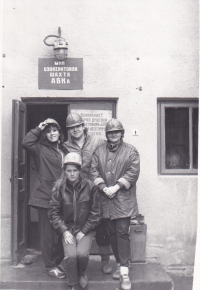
50, 121
73, 158
74, 119
114, 125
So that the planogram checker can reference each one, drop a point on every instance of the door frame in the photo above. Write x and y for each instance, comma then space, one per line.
42, 101
68, 101
18, 239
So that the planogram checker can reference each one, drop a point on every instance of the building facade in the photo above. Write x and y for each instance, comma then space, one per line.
140, 65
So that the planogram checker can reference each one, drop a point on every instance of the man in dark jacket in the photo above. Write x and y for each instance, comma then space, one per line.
85, 145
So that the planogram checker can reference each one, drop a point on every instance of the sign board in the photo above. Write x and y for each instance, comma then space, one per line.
95, 121
56, 74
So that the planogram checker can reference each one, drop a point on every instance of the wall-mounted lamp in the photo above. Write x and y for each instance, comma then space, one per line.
59, 45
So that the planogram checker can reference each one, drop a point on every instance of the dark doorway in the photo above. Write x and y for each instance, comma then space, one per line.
38, 110
37, 113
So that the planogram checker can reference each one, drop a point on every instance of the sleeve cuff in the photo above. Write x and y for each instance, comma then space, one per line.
63, 228
125, 182
98, 180
121, 185
101, 186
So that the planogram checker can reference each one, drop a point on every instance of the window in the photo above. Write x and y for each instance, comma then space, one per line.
178, 136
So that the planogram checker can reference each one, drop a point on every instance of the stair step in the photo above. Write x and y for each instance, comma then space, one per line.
148, 276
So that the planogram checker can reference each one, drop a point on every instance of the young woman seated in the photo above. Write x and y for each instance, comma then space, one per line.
75, 211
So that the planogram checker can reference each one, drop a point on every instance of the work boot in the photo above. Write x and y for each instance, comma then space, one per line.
83, 281
116, 274
106, 267
125, 282
61, 268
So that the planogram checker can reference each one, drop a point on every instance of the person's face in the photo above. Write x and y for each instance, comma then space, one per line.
77, 132
53, 134
114, 136
72, 172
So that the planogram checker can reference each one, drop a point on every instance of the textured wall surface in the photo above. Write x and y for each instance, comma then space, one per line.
124, 44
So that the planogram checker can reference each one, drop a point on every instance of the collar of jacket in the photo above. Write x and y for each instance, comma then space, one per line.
54, 145
77, 186
86, 137
114, 147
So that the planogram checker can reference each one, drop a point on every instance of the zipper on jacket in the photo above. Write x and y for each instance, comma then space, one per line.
74, 205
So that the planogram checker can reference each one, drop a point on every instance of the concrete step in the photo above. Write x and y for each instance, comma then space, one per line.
149, 276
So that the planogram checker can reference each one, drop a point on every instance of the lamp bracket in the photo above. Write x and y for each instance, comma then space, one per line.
59, 36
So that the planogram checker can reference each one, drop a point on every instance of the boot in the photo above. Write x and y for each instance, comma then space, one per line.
83, 281
116, 274
105, 262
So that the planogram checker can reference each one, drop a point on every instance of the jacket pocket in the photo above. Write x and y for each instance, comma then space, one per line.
45, 188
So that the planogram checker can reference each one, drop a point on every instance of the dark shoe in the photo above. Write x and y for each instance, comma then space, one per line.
125, 282
106, 267
83, 281
116, 274
61, 268
56, 273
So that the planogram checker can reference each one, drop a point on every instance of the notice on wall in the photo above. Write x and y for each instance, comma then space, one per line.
95, 121
56, 74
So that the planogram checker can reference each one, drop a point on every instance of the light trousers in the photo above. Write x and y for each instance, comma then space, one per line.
76, 258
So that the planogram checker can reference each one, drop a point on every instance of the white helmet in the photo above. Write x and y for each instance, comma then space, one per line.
73, 158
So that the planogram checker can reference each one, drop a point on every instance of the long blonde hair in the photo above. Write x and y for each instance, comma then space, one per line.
62, 180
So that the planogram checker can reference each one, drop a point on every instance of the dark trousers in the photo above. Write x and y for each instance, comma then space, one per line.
118, 231
103, 241
76, 258
50, 241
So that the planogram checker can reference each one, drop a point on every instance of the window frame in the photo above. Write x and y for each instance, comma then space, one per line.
174, 103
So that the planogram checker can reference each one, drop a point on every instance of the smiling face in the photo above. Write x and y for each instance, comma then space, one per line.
114, 136
52, 134
77, 132
72, 172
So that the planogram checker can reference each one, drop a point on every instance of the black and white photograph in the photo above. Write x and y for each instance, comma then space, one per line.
99, 145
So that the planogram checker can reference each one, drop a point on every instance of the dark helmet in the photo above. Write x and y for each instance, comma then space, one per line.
114, 125
74, 119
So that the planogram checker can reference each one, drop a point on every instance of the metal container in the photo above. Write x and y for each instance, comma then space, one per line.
138, 234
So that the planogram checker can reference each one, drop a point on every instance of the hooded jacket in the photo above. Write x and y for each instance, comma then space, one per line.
75, 207
90, 145
48, 160
109, 166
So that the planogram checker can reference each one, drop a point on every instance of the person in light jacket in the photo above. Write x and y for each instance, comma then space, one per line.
115, 170
44, 144
74, 212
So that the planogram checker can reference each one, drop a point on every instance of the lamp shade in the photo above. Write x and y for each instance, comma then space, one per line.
60, 53
60, 48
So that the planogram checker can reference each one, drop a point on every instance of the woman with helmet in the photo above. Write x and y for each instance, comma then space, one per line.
74, 212
84, 144
44, 144
115, 169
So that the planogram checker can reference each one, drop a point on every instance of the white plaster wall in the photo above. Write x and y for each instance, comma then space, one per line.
110, 36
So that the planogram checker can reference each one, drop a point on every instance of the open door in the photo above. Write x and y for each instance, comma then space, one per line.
18, 180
